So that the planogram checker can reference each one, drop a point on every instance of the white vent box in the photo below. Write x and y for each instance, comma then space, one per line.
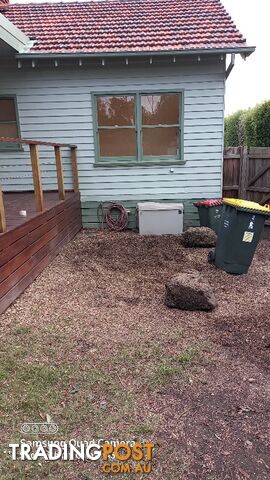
160, 218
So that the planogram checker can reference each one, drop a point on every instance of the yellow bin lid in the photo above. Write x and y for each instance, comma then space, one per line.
245, 204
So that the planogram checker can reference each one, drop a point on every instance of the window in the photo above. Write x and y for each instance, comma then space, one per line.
8, 121
135, 128
116, 126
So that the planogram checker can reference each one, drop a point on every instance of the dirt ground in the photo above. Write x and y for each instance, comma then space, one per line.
92, 344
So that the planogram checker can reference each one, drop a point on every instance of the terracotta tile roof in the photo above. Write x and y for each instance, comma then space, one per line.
111, 26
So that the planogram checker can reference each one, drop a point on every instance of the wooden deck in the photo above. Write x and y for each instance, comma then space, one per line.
30, 243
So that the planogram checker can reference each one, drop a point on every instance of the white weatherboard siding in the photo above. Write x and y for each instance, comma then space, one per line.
54, 104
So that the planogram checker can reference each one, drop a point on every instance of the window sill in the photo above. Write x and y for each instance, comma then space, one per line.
149, 163
12, 150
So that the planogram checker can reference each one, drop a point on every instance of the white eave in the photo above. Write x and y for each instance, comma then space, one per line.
14, 37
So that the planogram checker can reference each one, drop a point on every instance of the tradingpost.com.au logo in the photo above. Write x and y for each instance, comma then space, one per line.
116, 456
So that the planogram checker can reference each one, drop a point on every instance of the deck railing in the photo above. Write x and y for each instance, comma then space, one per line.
36, 173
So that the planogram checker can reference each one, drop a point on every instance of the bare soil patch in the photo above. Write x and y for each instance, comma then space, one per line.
92, 344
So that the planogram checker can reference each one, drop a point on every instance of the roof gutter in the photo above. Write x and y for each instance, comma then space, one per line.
244, 51
231, 65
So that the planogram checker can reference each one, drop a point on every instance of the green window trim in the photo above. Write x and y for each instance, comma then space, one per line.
139, 159
11, 147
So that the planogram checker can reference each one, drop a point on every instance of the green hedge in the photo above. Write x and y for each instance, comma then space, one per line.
249, 128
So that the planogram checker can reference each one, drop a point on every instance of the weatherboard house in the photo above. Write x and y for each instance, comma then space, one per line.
137, 86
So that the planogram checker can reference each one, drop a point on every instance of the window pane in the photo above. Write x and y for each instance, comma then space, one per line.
8, 130
118, 142
160, 109
7, 110
116, 110
160, 141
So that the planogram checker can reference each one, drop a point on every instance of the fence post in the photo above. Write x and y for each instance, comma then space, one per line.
74, 165
2, 213
37, 177
59, 169
243, 178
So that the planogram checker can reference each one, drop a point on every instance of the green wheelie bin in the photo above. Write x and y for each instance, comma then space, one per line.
239, 232
210, 213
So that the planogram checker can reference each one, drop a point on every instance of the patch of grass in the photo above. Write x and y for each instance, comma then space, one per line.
193, 353
40, 386
39, 379
8, 366
22, 330
144, 429
188, 356
164, 373
179, 365
42, 376
10, 470
30, 389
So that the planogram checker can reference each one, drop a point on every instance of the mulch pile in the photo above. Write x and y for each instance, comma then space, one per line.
217, 425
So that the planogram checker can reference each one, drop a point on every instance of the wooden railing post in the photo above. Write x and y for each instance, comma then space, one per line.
2, 213
74, 165
37, 177
59, 169
36, 173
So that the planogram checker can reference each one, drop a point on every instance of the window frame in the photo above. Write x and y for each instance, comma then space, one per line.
139, 160
126, 158
7, 147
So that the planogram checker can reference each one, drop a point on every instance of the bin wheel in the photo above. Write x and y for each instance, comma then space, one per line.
211, 256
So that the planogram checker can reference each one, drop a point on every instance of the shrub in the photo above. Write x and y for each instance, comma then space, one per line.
232, 135
261, 120
249, 128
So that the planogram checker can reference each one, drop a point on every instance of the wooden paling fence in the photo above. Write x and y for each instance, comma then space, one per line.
246, 174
